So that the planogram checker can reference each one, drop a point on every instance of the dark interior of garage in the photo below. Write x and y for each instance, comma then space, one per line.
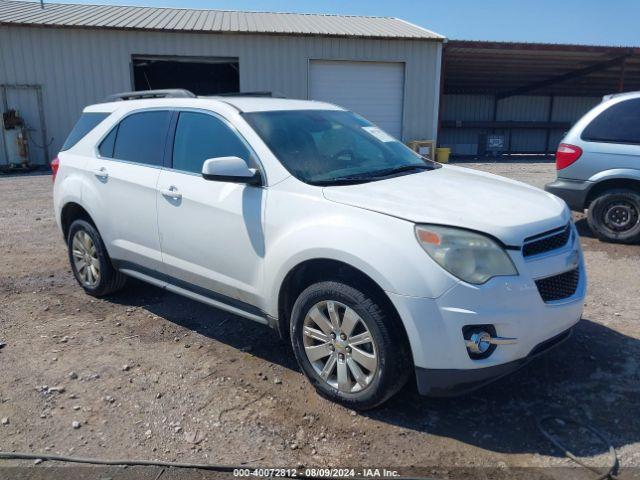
209, 76
504, 98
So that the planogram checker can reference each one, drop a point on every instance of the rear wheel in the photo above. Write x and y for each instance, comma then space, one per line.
349, 347
614, 216
90, 262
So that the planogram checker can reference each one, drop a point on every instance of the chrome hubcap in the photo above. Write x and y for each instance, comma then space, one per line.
620, 216
85, 259
339, 346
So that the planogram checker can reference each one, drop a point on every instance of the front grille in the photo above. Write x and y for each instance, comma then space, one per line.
546, 242
560, 286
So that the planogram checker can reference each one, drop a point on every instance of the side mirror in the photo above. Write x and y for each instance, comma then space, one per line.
230, 169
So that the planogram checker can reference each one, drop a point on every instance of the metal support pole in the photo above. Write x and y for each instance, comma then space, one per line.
622, 68
5, 107
548, 130
443, 64
43, 126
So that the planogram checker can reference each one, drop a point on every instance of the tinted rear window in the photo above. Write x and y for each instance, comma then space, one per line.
139, 138
619, 123
86, 123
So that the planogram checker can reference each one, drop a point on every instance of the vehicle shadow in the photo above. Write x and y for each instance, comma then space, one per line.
583, 227
592, 377
227, 328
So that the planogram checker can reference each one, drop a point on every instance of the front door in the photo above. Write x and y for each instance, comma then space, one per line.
211, 233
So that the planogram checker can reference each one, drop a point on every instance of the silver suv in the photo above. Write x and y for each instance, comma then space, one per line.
598, 165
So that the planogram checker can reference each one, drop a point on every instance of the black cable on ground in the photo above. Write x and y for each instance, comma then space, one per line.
610, 474
613, 468
129, 463
159, 463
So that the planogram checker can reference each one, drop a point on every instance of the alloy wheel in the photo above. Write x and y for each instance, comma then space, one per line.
85, 259
340, 346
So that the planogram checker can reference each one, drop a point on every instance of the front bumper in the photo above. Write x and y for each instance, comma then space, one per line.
573, 192
452, 382
511, 304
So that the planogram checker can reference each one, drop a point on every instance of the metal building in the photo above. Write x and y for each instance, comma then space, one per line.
57, 59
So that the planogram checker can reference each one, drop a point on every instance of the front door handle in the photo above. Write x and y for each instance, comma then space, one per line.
171, 192
101, 173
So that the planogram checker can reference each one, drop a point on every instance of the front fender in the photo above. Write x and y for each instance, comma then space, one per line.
382, 247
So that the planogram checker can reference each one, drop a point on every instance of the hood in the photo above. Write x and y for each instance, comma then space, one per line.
509, 210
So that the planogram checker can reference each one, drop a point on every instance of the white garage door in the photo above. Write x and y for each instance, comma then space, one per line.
372, 89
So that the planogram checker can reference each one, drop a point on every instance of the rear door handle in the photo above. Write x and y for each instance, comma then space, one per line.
101, 172
171, 192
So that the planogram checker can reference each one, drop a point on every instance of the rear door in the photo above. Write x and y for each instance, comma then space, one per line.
211, 232
124, 177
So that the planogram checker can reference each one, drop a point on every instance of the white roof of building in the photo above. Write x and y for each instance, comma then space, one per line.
208, 21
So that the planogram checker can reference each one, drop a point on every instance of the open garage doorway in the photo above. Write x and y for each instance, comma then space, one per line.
200, 75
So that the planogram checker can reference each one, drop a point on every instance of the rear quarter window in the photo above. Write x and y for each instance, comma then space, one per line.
87, 122
620, 123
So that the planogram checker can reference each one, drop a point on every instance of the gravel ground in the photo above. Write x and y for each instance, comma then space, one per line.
148, 374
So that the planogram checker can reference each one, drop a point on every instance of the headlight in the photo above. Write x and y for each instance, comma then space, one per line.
470, 256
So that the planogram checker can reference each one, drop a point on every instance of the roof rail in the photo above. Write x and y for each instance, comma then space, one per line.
615, 95
250, 94
169, 93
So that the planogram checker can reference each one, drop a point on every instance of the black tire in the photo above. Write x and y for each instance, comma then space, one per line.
614, 216
110, 280
391, 346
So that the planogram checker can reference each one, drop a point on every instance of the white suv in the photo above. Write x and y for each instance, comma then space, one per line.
373, 261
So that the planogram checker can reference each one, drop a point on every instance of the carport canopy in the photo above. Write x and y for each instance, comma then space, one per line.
506, 69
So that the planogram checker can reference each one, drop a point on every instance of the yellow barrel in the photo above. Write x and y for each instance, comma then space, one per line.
442, 154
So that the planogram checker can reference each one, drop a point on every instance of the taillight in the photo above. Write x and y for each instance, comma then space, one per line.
566, 155
55, 164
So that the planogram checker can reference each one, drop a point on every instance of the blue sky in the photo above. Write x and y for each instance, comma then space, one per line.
597, 22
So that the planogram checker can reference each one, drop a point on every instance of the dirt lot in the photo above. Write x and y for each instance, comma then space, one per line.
152, 375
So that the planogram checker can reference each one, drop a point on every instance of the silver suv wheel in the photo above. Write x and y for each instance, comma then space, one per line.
620, 216
614, 216
339, 346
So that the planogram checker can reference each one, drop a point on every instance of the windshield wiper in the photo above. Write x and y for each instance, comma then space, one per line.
372, 176
343, 180
402, 169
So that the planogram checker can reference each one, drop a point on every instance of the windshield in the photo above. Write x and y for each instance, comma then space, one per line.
324, 147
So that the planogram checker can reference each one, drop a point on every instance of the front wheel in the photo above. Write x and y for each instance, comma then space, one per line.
349, 346
615, 216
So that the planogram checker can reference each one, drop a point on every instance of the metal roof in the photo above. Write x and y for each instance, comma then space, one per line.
515, 68
208, 21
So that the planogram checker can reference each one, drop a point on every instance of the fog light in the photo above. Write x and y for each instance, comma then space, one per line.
481, 340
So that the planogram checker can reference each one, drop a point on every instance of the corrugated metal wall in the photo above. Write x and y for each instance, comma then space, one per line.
77, 67
464, 141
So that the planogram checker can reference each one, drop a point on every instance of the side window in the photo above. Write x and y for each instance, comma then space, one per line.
199, 137
619, 123
139, 138
87, 122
